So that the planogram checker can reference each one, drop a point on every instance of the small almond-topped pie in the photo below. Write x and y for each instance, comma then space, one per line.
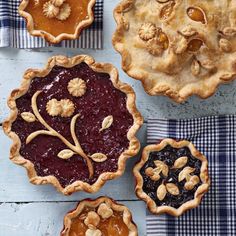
172, 177
56, 20
177, 48
73, 124
100, 217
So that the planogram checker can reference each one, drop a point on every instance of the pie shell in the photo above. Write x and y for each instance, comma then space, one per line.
152, 87
202, 189
127, 216
49, 37
134, 144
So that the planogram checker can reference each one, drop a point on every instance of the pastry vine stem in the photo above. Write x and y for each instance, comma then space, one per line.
76, 148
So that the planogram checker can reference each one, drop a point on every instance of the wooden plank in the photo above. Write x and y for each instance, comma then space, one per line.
15, 187
46, 219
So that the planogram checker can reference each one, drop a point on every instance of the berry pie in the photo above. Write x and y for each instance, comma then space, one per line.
73, 124
172, 177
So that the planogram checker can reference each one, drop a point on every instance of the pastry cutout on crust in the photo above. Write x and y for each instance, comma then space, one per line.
100, 217
57, 134
57, 20
182, 185
193, 58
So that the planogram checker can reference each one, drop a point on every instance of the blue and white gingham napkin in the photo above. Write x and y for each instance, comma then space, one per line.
13, 31
216, 138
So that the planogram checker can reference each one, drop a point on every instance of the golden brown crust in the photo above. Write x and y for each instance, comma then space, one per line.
49, 37
134, 144
202, 189
155, 81
127, 216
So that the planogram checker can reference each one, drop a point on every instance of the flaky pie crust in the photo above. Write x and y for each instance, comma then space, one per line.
63, 61
160, 74
202, 189
127, 216
49, 37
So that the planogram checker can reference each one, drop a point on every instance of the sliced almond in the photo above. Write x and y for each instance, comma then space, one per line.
65, 154
28, 117
98, 157
172, 189
107, 122
161, 192
185, 173
180, 162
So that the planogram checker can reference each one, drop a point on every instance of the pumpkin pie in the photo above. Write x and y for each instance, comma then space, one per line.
73, 124
172, 177
56, 20
177, 48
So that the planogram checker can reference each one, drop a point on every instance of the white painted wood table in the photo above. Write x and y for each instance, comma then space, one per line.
28, 210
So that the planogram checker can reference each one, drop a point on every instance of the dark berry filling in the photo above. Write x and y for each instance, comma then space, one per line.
100, 100
169, 155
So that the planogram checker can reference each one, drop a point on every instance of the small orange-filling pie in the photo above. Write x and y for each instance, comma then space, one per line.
56, 20
101, 217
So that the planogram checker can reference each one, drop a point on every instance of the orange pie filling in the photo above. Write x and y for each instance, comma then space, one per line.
90, 223
58, 16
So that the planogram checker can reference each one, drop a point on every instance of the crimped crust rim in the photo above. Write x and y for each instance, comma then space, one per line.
49, 37
127, 216
150, 87
134, 144
202, 189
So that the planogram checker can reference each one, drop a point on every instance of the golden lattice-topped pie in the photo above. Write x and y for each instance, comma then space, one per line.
177, 47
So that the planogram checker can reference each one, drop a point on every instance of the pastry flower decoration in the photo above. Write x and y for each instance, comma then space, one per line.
65, 108
58, 9
186, 174
92, 219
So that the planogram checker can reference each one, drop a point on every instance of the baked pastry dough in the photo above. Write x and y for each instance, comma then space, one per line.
171, 177
57, 20
99, 217
73, 124
177, 48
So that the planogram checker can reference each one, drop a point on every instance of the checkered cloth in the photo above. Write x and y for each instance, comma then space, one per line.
13, 31
216, 138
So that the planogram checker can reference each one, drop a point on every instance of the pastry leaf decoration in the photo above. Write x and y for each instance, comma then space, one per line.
65, 154
28, 117
107, 122
74, 148
180, 162
98, 157
166, 187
